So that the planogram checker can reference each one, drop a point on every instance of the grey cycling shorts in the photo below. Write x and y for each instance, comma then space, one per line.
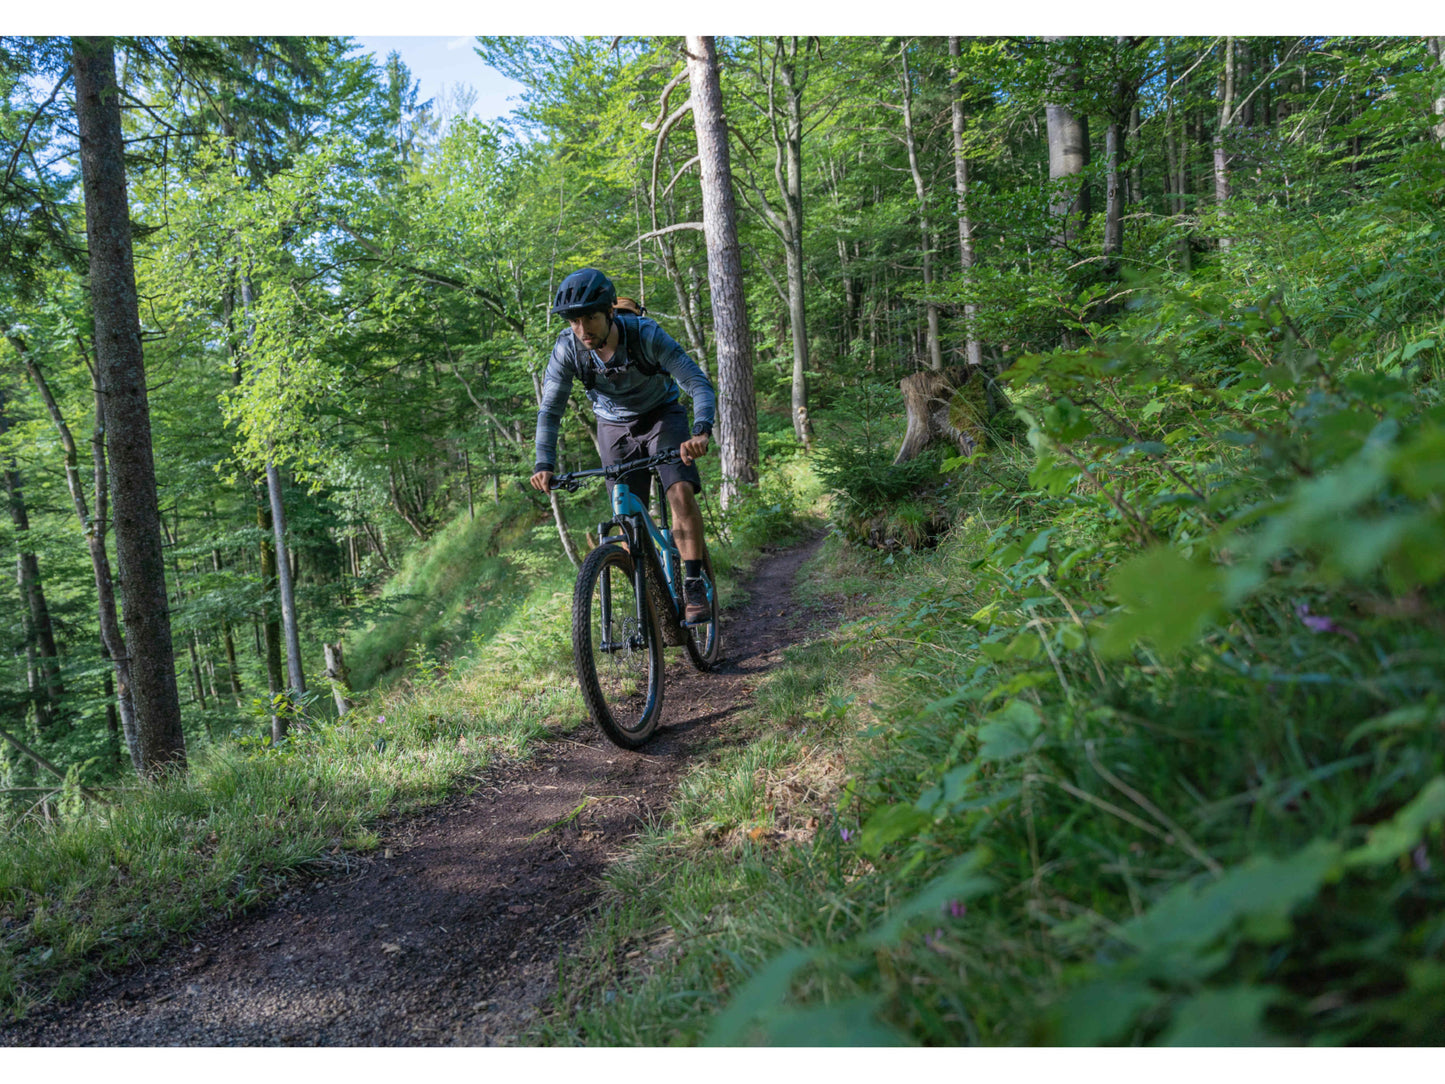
656, 431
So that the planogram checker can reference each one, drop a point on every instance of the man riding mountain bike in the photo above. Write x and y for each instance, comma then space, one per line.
631, 369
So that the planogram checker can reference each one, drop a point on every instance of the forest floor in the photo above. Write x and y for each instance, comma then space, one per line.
450, 932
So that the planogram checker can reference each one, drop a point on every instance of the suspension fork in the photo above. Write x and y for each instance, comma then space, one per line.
631, 531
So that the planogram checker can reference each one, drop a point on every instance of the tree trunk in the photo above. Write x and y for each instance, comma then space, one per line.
1226, 118
1068, 136
232, 672
790, 184
973, 348
172, 540
1437, 52
43, 658
127, 413
471, 498
272, 624
1136, 170
295, 677
1113, 199
339, 676
737, 407
110, 632
935, 349
112, 721
1122, 110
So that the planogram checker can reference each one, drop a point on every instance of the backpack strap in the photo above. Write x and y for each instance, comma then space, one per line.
632, 342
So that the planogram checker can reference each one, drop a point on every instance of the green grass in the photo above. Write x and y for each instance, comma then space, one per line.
473, 667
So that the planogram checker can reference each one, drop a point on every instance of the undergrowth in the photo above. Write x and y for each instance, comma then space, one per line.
1149, 751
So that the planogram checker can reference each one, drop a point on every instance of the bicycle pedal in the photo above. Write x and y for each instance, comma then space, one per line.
697, 624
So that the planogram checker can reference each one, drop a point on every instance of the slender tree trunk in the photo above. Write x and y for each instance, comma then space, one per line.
935, 348
471, 498
794, 78
271, 626
737, 407
339, 676
1226, 118
1068, 136
42, 656
127, 413
687, 300
1246, 78
233, 673
112, 721
1114, 196
110, 631
171, 539
295, 677
1136, 169
973, 348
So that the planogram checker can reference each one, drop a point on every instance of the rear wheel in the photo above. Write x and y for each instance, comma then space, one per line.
704, 642
618, 659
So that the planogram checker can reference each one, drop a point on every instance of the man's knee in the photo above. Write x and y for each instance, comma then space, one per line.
680, 495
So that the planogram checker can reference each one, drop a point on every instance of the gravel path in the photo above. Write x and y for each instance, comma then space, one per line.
449, 933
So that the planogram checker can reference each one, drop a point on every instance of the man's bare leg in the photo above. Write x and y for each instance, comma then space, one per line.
686, 521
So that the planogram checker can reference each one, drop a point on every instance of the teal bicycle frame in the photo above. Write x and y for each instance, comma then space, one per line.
640, 533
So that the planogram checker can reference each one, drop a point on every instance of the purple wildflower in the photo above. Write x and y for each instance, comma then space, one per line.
934, 940
847, 835
1422, 859
957, 909
1320, 624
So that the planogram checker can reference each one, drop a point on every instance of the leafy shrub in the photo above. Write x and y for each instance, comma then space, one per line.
882, 505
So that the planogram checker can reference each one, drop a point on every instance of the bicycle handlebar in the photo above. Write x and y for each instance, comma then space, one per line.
573, 480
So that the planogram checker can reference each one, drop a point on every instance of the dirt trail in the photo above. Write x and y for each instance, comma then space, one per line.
450, 933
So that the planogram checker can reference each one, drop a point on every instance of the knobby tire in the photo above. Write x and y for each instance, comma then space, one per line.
622, 687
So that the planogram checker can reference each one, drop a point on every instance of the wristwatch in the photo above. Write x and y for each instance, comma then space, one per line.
702, 429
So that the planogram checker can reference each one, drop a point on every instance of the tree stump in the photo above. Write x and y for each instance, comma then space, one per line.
946, 404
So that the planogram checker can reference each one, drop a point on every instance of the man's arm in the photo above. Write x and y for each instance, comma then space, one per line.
556, 387
664, 350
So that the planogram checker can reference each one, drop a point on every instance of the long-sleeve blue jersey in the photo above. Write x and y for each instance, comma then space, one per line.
620, 394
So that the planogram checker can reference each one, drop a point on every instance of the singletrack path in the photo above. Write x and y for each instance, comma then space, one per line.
451, 931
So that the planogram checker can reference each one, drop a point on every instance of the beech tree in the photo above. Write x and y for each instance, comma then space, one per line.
1068, 134
967, 255
737, 408
42, 667
782, 72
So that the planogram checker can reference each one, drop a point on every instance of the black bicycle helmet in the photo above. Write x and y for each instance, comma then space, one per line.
582, 292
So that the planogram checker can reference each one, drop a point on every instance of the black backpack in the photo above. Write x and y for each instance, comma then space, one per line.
631, 342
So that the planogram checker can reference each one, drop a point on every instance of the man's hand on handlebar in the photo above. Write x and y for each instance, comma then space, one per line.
693, 448
542, 480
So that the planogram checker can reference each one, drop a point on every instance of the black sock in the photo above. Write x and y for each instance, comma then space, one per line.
692, 569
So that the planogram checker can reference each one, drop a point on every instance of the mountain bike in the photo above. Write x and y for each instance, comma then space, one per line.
628, 605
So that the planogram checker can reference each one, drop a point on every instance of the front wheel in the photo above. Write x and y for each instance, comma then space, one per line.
704, 642
618, 659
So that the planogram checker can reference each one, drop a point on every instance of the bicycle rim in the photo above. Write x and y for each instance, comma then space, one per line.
704, 642
618, 662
